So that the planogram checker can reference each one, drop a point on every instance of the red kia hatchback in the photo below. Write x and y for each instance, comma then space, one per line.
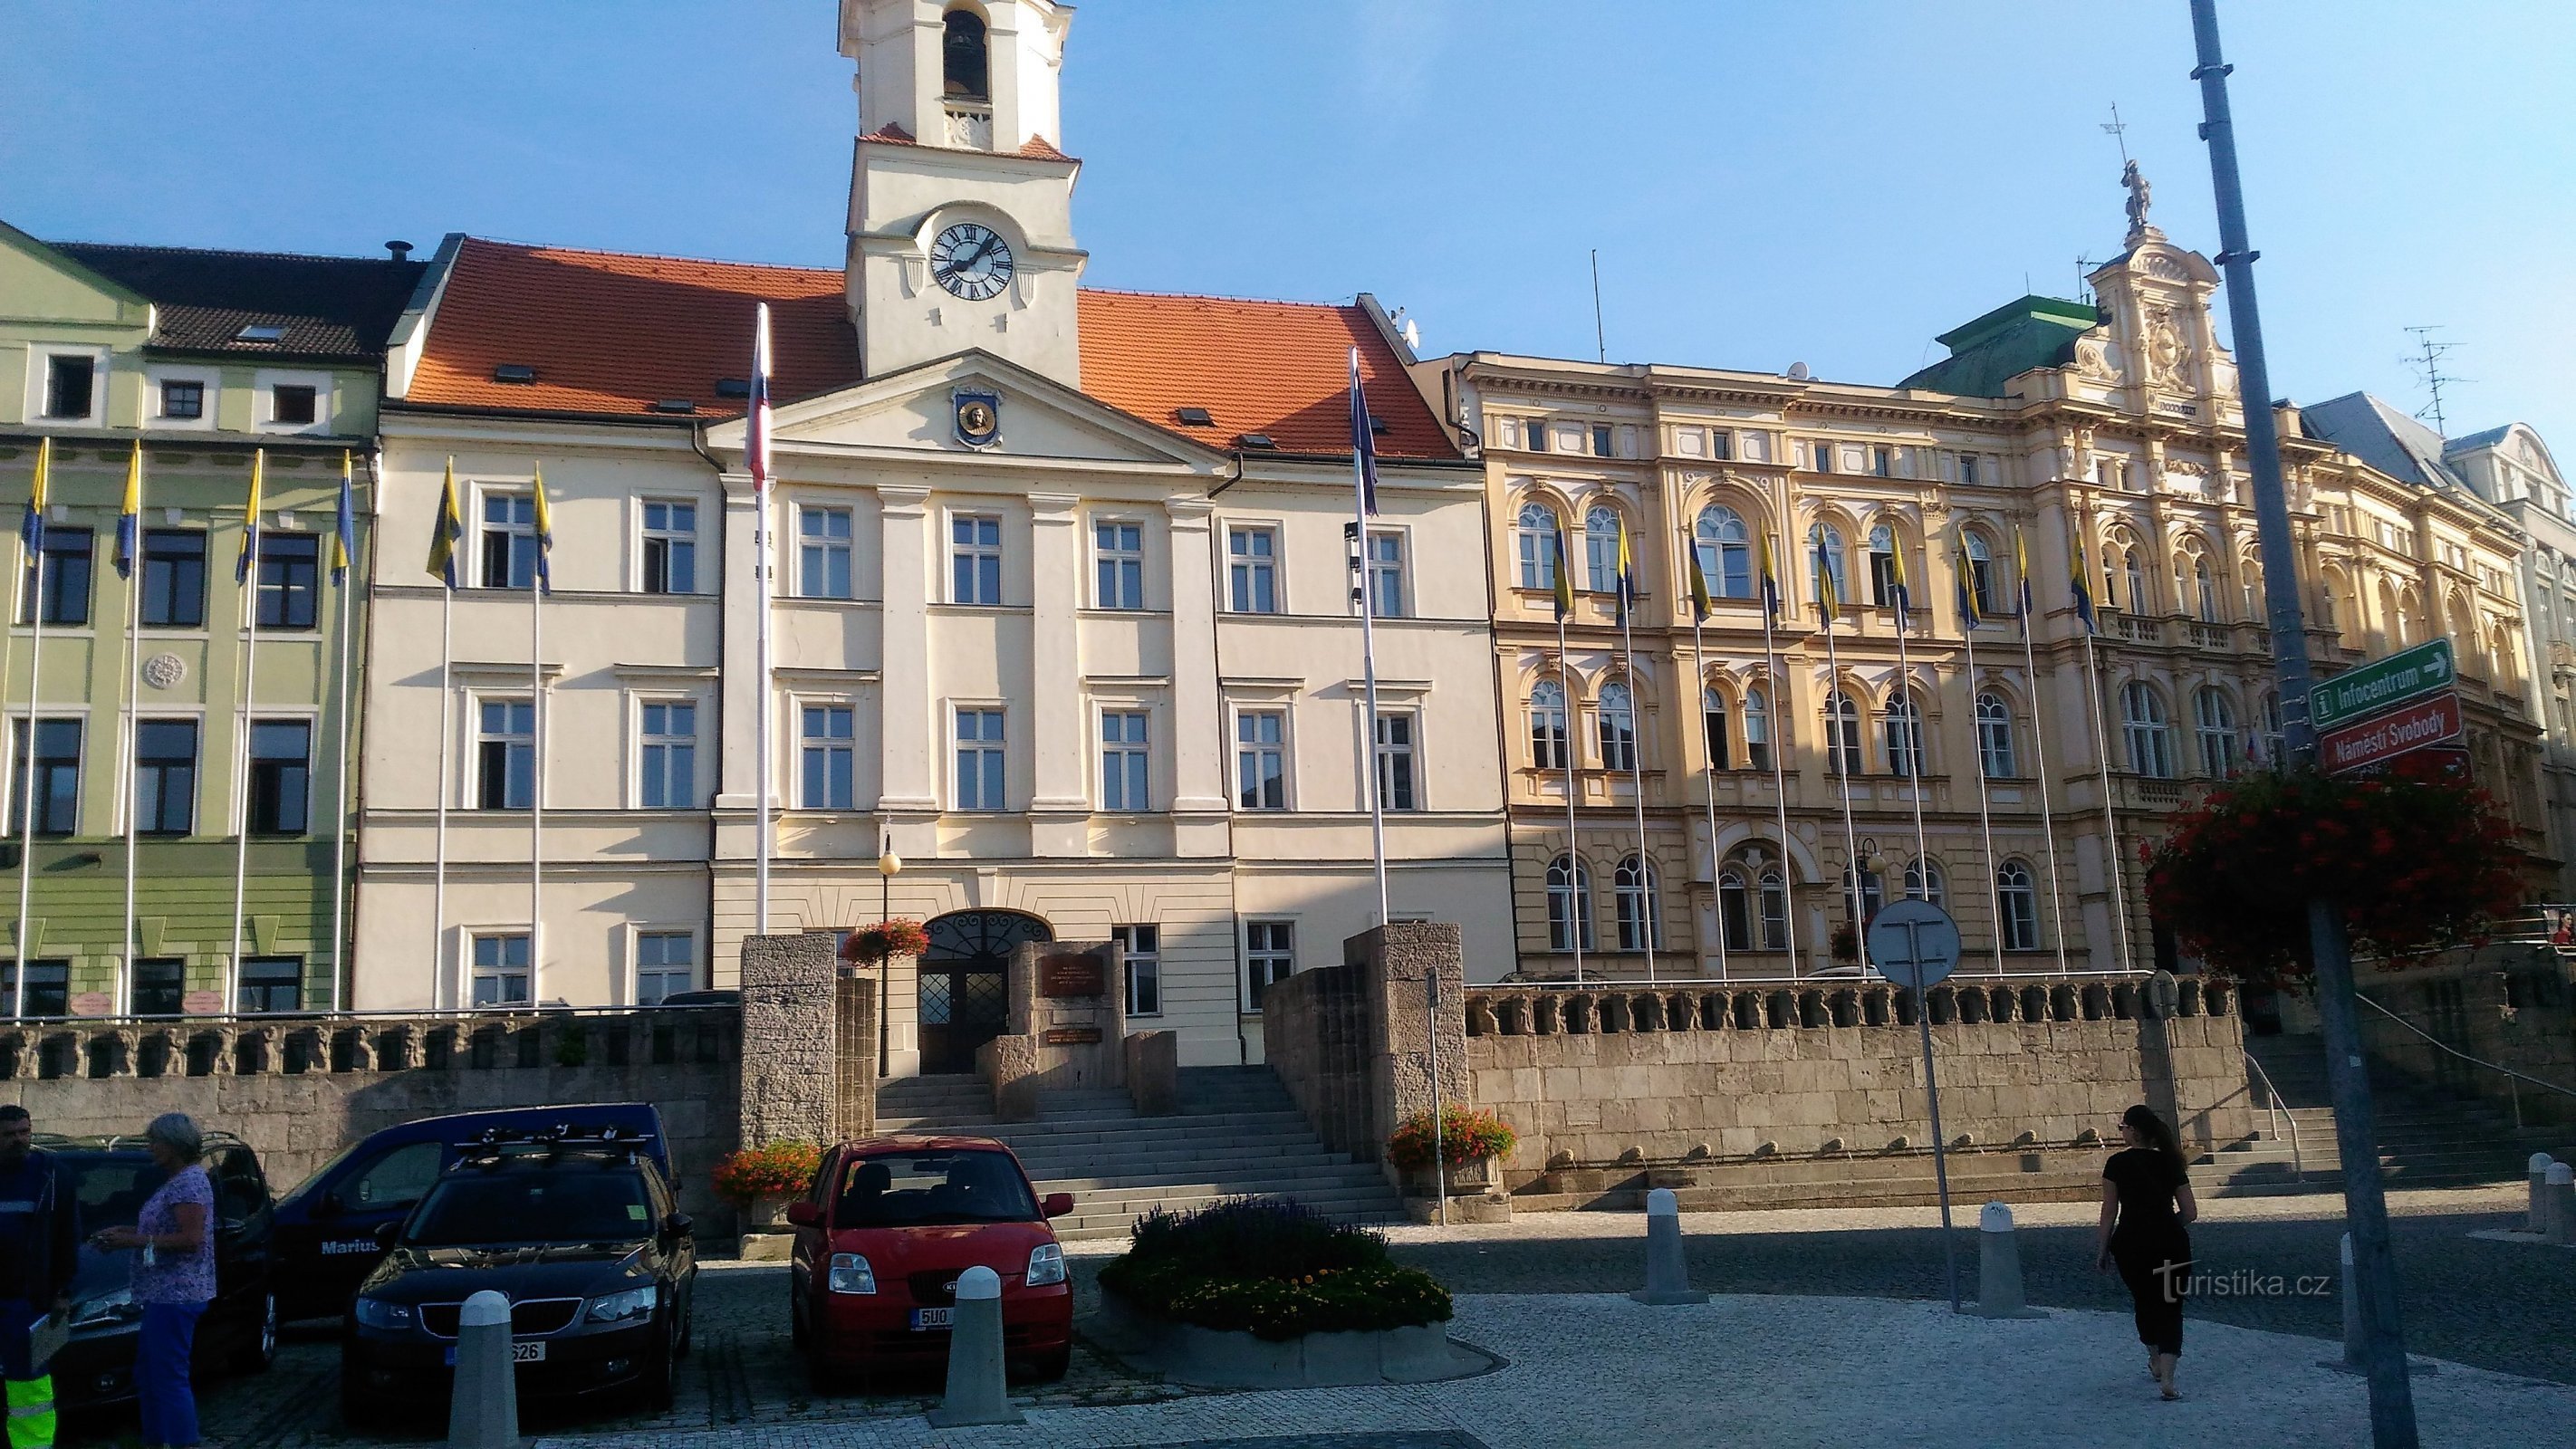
881, 1237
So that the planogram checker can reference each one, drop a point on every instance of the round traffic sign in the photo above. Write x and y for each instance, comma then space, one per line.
1914, 943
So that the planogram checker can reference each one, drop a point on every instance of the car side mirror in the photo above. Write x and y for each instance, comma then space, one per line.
387, 1234
805, 1214
1057, 1204
678, 1224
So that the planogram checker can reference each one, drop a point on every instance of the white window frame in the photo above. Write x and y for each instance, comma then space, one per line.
1266, 953
643, 532
645, 743
1112, 753
1287, 758
1381, 755
1269, 563
830, 743
475, 700
476, 526
1103, 557
847, 546
153, 380
263, 403
40, 369
1151, 962
956, 744
635, 935
997, 552
475, 936
1373, 570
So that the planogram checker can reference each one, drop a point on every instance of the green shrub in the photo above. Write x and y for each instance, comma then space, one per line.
1270, 1267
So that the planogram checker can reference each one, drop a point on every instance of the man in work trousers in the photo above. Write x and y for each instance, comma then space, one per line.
39, 1249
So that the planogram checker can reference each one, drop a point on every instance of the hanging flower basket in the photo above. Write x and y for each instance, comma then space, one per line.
884, 941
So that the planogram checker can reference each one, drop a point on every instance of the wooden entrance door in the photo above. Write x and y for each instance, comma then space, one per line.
965, 983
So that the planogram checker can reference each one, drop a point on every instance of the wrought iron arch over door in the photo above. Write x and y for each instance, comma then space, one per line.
965, 982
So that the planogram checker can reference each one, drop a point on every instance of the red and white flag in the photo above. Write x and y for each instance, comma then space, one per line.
756, 442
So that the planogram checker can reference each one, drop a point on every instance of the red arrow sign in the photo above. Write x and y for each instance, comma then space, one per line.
2382, 738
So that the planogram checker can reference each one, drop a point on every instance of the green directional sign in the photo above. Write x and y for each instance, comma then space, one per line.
2382, 684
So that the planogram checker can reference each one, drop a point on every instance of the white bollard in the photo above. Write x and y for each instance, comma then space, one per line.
1667, 1270
1999, 1292
2558, 1204
977, 1393
2356, 1346
2535, 1217
483, 1411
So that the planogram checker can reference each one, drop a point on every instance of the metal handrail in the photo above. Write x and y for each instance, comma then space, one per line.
2509, 1072
2298, 1158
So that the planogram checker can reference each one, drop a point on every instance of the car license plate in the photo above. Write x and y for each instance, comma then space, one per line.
531, 1350
929, 1318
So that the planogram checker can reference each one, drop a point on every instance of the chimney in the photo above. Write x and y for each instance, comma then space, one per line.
399, 250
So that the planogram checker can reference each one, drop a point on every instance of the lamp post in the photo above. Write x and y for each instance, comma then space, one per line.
888, 865
1867, 864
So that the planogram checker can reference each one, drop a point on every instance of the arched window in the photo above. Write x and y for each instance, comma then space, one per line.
1981, 575
1902, 726
1829, 560
2410, 620
1842, 734
2271, 716
1617, 716
2149, 731
1753, 901
2018, 897
1569, 904
1725, 552
1882, 565
2250, 569
2133, 579
1757, 728
1995, 737
2198, 587
1535, 533
1873, 893
1923, 882
963, 63
1712, 713
1547, 725
2213, 720
1601, 548
1632, 888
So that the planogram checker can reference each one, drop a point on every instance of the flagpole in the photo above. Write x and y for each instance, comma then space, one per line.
1985, 812
241, 734
2110, 817
756, 457
134, 570
1914, 723
536, 764
340, 793
1360, 445
2039, 742
1778, 721
27, 747
1636, 774
446, 736
1834, 753
1699, 657
1577, 911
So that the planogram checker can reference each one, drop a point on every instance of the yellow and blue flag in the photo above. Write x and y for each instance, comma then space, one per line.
447, 532
129, 519
1698, 579
344, 525
1770, 576
2083, 594
545, 525
1557, 571
31, 527
1829, 590
1627, 573
250, 519
1969, 615
1899, 595
2021, 575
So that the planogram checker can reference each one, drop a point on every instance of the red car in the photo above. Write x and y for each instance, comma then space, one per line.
881, 1237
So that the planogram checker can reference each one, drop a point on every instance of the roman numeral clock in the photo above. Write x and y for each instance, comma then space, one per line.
970, 261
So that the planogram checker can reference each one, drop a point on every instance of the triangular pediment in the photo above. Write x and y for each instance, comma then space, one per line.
916, 411
40, 284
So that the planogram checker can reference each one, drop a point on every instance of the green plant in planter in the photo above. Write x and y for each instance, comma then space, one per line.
777, 1169
1270, 1267
1467, 1134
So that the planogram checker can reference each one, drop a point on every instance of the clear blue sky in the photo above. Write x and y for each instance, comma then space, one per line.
1827, 183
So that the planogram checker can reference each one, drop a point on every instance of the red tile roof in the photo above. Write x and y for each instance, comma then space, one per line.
611, 334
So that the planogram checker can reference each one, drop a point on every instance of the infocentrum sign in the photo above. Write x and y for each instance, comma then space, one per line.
2367, 689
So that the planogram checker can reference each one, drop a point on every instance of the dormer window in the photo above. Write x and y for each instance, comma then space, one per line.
964, 57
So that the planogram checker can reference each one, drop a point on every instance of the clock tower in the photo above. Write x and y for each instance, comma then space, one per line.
961, 200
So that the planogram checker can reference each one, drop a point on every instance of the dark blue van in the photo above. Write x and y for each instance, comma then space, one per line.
325, 1240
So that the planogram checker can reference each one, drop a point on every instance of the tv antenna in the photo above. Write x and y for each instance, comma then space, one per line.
2427, 363
1600, 339
2119, 132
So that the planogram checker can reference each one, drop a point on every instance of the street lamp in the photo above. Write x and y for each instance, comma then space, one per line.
888, 865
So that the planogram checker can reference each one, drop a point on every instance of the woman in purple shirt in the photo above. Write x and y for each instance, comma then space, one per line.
174, 1279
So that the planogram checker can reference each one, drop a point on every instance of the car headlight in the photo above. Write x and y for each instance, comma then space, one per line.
377, 1313
619, 1307
1046, 1265
115, 1307
851, 1274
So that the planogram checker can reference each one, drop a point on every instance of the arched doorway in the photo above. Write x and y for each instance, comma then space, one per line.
965, 982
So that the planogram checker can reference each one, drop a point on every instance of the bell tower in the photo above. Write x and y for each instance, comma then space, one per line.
961, 198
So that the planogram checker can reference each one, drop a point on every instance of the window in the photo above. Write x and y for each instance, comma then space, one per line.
1124, 766
1119, 549
1142, 949
670, 548
1547, 725
963, 66
1757, 729
829, 758
1261, 759
1535, 534
290, 580
1828, 560
70, 386
47, 990
1269, 955
159, 986
56, 786
273, 984
506, 755
500, 968
1923, 882
174, 578
1601, 549
2271, 728
66, 578
509, 540
2150, 734
1632, 891
2133, 575
670, 755
1534, 435
292, 404
281, 776
1386, 574
1995, 737
1725, 552
1882, 565
979, 759
1569, 905
1395, 774
1736, 913
1842, 734
1712, 713
1822, 453
2019, 899
1252, 573
1981, 576
1601, 440
1873, 893
398, 1178
1902, 727
1968, 468
666, 963
823, 553
1616, 718
1882, 461
2192, 577
975, 559
2213, 721
183, 400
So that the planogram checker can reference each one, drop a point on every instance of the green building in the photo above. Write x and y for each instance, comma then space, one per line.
208, 358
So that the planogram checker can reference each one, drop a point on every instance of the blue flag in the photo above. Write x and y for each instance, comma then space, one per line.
31, 525
1363, 442
344, 527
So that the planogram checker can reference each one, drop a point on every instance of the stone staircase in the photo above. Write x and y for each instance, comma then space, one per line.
1237, 1133
2427, 1138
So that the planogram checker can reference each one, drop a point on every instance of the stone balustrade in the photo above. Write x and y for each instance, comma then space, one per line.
99, 1048
1610, 1007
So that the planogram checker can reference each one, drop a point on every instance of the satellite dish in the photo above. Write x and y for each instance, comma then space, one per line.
1412, 334
1798, 370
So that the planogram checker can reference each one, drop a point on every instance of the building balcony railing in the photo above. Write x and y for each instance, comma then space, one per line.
970, 125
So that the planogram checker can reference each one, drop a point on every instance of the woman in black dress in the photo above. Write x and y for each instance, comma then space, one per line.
2146, 1205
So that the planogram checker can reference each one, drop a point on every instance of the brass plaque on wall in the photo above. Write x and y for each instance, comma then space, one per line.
1070, 976
1071, 1035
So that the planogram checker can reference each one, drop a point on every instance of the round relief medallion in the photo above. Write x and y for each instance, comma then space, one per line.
161, 671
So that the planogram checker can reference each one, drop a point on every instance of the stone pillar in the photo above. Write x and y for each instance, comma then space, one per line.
1396, 961
1059, 798
788, 1052
905, 726
1199, 798
854, 1052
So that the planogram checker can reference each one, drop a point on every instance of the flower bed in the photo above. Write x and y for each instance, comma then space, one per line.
1271, 1268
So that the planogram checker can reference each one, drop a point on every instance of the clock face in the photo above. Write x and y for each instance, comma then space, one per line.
971, 261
